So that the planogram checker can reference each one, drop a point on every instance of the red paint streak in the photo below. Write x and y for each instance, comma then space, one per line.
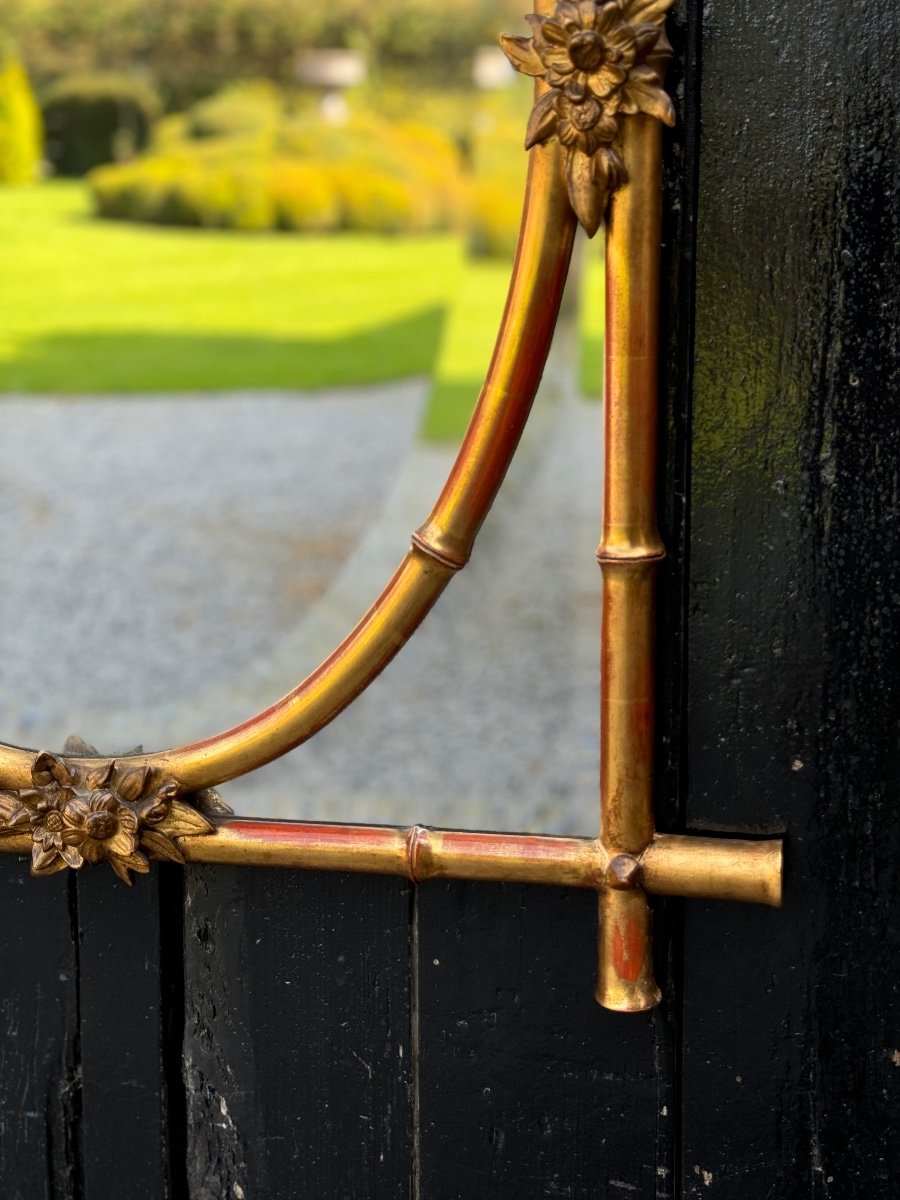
295, 834
504, 845
305, 833
301, 835
628, 949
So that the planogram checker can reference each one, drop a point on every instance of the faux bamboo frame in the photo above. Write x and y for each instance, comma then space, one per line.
629, 859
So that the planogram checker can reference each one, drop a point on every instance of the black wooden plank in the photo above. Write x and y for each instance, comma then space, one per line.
297, 1035
526, 1086
792, 1019
39, 1088
124, 1137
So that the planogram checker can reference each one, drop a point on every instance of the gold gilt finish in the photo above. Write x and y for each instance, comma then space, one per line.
600, 61
672, 865
595, 133
109, 812
629, 551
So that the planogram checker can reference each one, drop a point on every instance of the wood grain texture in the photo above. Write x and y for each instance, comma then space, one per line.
297, 1050
39, 1078
124, 1127
792, 1021
526, 1086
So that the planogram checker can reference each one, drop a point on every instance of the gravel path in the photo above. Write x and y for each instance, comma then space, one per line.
487, 718
155, 546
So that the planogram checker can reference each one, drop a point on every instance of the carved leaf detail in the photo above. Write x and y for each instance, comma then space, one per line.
41, 858
161, 846
602, 62
54, 865
543, 120
101, 812
183, 821
588, 199
122, 864
12, 814
521, 53
636, 12
98, 777
72, 856
48, 769
132, 783
642, 93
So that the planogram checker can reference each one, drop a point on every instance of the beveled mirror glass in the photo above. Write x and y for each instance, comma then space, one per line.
220, 438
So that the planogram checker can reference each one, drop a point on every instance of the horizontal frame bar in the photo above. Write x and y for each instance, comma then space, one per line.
672, 865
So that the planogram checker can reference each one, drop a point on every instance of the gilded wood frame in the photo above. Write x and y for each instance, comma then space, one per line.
585, 162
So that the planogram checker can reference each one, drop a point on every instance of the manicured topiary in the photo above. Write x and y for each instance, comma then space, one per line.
94, 119
20, 124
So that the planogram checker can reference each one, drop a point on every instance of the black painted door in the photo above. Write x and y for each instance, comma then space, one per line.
249, 1034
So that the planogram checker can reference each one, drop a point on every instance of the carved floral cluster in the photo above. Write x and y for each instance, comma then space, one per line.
600, 60
111, 812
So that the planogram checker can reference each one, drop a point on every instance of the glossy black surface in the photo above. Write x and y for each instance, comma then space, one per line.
525, 1086
792, 1019
124, 1119
40, 1091
297, 1056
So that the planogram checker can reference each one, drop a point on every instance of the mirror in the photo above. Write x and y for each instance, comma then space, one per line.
237, 364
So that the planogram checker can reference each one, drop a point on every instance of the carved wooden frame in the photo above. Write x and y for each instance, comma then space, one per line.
595, 152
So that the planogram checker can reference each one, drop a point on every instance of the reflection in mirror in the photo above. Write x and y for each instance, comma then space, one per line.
245, 322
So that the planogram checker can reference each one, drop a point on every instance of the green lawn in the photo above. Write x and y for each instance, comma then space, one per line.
97, 306
471, 328
465, 352
591, 310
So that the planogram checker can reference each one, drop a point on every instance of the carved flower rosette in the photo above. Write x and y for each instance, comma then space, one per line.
601, 61
112, 812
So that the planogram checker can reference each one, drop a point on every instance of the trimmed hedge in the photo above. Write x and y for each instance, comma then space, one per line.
276, 193
251, 108
256, 157
251, 158
20, 125
94, 119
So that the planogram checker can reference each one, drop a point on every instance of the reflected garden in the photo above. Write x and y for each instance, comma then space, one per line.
240, 347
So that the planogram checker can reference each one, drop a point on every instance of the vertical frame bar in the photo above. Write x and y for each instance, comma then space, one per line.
629, 550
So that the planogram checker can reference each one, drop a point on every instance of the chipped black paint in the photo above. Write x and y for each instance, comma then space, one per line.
39, 1063
794, 601
122, 1127
526, 1086
297, 1035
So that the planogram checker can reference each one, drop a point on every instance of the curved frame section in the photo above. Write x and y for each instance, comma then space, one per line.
441, 546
